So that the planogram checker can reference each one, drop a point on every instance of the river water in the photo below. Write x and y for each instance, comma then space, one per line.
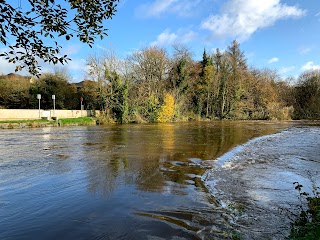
205, 180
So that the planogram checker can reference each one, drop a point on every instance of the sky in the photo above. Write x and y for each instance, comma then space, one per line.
281, 35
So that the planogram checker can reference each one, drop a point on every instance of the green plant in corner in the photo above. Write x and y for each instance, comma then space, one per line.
307, 226
235, 236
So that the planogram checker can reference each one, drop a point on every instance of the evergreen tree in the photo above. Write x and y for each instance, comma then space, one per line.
238, 67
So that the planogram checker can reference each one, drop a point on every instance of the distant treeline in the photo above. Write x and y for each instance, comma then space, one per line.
150, 86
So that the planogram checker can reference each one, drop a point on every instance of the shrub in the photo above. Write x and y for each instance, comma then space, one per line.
167, 109
307, 226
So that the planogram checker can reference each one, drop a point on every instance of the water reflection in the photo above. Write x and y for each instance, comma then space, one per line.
130, 181
166, 159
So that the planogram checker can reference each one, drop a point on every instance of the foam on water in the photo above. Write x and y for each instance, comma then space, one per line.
257, 178
225, 159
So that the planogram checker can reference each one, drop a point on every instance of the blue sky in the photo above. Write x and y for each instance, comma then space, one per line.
275, 34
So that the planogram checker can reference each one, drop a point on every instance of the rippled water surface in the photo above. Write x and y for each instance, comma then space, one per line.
162, 181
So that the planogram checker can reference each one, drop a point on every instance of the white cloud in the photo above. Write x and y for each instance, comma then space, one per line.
76, 64
310, 66
273, 60
304, 50
188, 37
167, 38
158, 7
102, 48
6, 68
286, 69
241, 18
71, 49
73, 65
76, 68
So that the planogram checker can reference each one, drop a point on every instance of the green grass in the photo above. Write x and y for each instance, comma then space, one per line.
25, 121
77, 121
63, 121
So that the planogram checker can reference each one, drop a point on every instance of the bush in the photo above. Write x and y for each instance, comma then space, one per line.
307, 94
307, 226
167, 109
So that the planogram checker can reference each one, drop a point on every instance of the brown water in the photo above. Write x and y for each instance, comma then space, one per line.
254, 181
118, 182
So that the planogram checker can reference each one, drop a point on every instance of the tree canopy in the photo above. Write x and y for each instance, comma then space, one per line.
150, 85
31, 31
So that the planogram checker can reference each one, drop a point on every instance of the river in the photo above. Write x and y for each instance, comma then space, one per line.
199, 180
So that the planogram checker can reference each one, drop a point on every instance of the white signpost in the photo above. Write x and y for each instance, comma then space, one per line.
54, 104
39, 98
81, 105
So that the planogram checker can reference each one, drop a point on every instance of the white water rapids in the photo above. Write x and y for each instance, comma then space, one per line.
254, 181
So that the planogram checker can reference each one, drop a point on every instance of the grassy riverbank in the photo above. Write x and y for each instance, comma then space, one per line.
25, 121
86, 121
82, 121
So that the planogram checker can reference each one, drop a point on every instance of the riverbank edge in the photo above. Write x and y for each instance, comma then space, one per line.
91, 121
19, 124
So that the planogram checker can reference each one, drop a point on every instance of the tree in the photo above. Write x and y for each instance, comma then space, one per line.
111, 77
150, 65
265, 99
178, 82
35, 28
150, 70
89, 91
104, 69
180, 69
238, 67
14, 91
118, 98
307, 94
211, 87
54, 84
222, 67
205, 60
167, 109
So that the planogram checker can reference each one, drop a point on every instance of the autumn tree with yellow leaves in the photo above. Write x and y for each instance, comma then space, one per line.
167, 109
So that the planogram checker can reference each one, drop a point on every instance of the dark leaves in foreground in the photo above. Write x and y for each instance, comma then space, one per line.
35, 28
